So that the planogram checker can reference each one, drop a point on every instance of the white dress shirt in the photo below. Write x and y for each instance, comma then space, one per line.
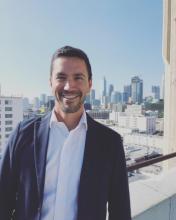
63, 169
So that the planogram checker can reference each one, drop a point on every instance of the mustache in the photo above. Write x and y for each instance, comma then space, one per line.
63, 93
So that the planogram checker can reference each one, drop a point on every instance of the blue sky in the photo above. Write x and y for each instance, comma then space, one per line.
122, 38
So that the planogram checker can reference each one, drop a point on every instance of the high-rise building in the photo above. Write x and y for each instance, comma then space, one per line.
26, 104
36, 104
50, 102
137, 90
87, 99
103, 90
11, 113
110, 90
92, 96
116, 97
104, 84
126, 93
43, 99
156, 92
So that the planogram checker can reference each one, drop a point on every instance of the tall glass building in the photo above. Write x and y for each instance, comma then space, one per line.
137, 90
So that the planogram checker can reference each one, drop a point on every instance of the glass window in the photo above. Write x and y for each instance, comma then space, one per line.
8, 129
8, 102
8, 108
8, 115
8, 122
7, 135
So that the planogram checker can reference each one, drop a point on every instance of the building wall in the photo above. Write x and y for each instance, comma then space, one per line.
169, 57
11, 112
144, 140
141, 123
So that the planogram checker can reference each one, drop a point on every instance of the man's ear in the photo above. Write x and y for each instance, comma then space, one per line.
90, 83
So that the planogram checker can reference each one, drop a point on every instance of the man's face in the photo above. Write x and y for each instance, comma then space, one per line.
69, 83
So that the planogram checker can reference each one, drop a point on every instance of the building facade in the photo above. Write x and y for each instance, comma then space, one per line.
156, 92
137, 90
11, 113
169, 57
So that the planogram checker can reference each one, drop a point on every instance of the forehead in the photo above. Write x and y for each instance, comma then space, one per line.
69, 64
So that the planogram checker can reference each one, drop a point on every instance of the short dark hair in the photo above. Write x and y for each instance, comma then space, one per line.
68, 51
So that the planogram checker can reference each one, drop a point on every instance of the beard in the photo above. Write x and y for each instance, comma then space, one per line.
70, 102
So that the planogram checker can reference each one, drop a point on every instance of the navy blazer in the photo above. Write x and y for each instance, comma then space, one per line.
103, 176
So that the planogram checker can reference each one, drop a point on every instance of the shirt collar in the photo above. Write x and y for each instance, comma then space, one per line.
83, 120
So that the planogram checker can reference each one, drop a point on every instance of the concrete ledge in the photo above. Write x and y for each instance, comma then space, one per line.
154, 198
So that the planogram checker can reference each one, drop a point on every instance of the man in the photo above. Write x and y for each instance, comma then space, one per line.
65, 166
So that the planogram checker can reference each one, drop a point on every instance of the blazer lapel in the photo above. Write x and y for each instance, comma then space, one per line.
89, 168
40, 150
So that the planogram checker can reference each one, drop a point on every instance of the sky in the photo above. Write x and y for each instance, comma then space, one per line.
122, 38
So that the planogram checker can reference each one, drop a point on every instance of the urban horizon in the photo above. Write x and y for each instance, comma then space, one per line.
98, 92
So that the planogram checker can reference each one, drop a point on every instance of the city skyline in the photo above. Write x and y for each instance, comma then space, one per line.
121, 38
131, 93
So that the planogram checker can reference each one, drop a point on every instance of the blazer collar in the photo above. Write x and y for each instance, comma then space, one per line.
90, 163
41, 131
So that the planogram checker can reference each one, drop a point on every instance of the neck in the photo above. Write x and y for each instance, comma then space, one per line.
71, 120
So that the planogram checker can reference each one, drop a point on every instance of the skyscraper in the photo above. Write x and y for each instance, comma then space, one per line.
104, 86
136, 90
116, 97
126, 93
103, 90
43, 99
92, 96
109, 92
156, 92
110, 89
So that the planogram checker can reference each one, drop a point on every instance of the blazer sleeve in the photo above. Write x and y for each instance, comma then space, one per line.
119, 202
8, 178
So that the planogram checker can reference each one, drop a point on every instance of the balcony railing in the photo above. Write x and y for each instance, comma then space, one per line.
148, 162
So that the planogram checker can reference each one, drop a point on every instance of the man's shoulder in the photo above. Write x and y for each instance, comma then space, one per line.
28, 124
101, 129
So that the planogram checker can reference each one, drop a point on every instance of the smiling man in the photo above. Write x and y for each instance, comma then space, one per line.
65, 166
70, 83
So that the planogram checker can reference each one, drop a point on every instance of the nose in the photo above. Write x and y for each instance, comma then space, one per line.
69, 84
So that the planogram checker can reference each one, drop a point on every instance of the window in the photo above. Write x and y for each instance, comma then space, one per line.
7, 135
8, 102
8, 129
8, 108
8, 115
8, 122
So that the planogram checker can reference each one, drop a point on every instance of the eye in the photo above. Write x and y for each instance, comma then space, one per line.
79, 78
61, 78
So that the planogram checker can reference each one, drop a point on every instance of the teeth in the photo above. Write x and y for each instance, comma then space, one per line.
70, 96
